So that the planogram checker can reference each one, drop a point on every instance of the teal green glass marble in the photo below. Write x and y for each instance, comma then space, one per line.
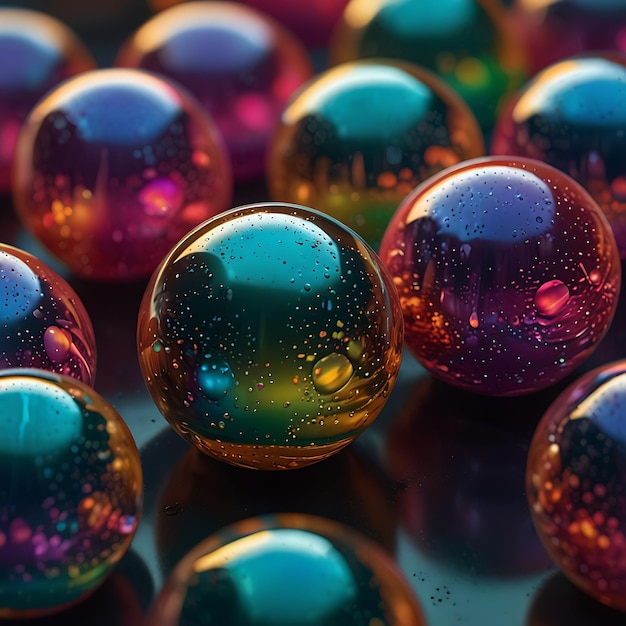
468, 43
284, 570
355, 140
70, 491
270, 336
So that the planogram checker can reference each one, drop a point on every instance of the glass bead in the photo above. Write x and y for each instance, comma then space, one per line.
270, 336
113, 167
240, 64
70, 491
286, 569
40, 52
45, 325
508, 274
354, 141
571, 115
576, 473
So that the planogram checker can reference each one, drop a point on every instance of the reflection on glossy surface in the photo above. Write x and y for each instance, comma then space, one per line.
44, 323
468, 43
575, 482
508, 274
358, 167
571, 115
270, 336
113, 167
286, 569
70, 491
187, 512
241, 65
461, 458
42, 52
559, 603
551, 30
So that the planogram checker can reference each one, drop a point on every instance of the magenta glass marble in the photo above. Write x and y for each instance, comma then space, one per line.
240, 64
44, 323
70, 491
115, 166
38, 52
572, 116
552, 30
576, 473
508, 274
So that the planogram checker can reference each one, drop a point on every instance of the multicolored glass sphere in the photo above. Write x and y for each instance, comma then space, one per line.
576, 477
70, 491
240, 64
552, 30
571, 115
286, 569
44, 323
508, 274
113, 167
39, 52
355, 140
270, 336
468, 43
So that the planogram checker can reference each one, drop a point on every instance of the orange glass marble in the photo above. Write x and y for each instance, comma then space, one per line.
113, 167
359, 137
38, 52
270, 336
287, 569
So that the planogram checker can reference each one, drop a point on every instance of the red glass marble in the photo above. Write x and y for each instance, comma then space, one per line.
240, 64
508, 274
113, 167
38, 52
572, 116
576, 478
551, 30
44, 323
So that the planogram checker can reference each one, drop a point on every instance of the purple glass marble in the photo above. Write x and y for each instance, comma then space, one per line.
113, 168
508, 274
552, 30
44, 323
42, 52
571, 115
240, 64
575, 478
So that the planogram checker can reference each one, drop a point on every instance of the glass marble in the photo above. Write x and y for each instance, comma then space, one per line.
286, 569
113, 167
70, 491
44, 322
508, 274
270, 336
358, 167
571, 115
552, 30
240, 64
42, 52
468, 43
576, 473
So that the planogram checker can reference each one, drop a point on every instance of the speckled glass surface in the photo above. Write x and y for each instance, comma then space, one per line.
571, 116
240, 64
355, 140
40, 52
286, 569
270, 336
44, 323
70, 491
508, 274
576, 474
113, 167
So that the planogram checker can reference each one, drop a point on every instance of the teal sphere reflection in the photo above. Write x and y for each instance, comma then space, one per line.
283, 570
